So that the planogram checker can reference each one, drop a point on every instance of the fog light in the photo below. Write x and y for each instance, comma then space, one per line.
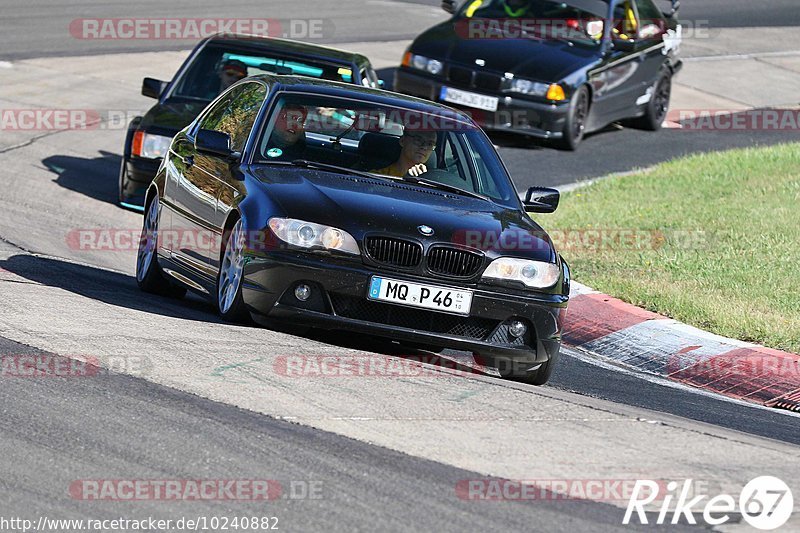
303, 292
517, 329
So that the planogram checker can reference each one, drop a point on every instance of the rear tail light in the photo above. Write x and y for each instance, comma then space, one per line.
138, 142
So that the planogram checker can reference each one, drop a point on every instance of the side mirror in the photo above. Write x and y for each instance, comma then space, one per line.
153, 88
623, 45
541, 200
215, 143
449, 6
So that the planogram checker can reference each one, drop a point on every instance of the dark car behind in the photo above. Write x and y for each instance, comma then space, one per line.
562, 70
197, 83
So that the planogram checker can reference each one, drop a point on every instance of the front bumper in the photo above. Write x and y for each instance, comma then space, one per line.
338, 301
138, 174
513, 114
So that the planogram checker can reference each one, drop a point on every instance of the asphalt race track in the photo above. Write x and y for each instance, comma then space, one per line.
204, 400
26, 33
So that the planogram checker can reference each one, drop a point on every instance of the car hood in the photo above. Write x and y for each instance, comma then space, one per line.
362, 205
544, 60
171, 116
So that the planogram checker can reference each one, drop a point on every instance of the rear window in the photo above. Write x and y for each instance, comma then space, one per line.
216, 68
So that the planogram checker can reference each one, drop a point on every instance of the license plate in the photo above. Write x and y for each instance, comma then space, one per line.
478, 101
417, 295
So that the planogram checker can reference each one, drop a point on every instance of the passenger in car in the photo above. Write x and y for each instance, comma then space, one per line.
232, 71
416, 147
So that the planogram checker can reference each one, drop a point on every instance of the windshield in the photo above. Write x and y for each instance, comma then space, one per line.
386, 141
218, 67
580, 21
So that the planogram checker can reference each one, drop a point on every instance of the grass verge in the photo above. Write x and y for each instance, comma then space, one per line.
712, 240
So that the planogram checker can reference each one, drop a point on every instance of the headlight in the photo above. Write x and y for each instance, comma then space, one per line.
309, 235
149, 145
422, 63
534, 274
532, 88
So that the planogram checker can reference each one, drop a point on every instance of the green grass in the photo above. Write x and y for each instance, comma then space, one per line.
725, 253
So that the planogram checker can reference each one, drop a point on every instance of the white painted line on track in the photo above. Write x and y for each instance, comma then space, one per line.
6, 64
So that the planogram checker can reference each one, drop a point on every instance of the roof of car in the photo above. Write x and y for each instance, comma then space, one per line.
288, 46
348, 90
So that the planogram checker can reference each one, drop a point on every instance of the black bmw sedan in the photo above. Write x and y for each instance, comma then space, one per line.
549, 68
339, 207
214, 65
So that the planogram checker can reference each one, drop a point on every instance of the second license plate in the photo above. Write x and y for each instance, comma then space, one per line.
478, 101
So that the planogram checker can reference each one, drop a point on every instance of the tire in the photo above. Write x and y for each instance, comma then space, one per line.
229, 280
575, 125
149, 276
658, 106
517, 372
122, 176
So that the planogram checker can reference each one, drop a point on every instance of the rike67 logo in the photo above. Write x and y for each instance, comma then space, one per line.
765, 503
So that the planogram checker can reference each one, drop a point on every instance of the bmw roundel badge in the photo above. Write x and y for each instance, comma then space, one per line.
425, 230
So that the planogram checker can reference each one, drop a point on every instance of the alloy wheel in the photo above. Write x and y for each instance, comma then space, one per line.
147, 244
230, 275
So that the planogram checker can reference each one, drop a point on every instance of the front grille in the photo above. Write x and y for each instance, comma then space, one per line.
461, 75
394, 252
453, 262
490, 82
404, 317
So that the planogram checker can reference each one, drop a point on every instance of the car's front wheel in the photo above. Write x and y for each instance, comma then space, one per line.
521, 371
658, 106
149, 276
122, 182
575, 124
229, 281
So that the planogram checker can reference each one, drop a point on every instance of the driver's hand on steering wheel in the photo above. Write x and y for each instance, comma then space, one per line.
417, 170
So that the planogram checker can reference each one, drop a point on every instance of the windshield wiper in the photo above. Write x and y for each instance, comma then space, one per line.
334, 168
444, 187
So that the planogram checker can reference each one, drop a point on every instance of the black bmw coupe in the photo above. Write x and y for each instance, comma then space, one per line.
350, 208
549, 68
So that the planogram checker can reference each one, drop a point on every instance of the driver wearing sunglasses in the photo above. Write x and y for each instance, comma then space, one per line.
416, 148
